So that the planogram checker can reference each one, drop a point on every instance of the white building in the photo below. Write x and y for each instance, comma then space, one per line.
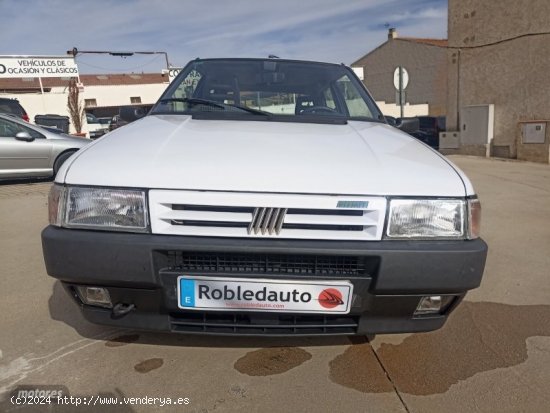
101, 95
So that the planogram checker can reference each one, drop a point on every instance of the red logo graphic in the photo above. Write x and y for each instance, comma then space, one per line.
330, 298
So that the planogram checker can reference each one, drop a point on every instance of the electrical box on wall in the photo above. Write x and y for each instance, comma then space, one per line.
533, 132
449, 140
477, 125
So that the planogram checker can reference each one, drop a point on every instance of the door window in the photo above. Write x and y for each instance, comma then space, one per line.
10, 129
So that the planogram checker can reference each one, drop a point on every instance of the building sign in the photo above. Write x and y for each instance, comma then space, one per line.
174, 71
28, 66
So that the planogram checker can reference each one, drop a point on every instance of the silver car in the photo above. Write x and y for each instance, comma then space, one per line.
31, 151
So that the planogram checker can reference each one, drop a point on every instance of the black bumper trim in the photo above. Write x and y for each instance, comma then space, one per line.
128, 260
367, 324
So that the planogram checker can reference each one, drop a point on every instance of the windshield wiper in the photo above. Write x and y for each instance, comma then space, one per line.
249, 110
194, 101
219, 105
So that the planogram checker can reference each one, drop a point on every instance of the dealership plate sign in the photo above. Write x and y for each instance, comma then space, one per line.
250, 294
28, 66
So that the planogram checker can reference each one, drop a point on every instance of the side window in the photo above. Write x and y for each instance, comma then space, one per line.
32, 132
7, 129
187, 87
355, 103
10, 129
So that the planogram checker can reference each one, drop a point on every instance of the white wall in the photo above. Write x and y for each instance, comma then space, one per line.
119, 95
37, 104
391, 109
55, 101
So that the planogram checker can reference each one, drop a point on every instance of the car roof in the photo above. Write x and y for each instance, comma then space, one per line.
264, 59
10, 102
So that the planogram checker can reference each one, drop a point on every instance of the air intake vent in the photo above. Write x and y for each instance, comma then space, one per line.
251, 324
281, 264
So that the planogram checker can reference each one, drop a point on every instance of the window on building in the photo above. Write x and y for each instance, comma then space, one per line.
135, 99
90, 103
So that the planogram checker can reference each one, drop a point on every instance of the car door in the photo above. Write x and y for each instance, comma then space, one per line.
21, 158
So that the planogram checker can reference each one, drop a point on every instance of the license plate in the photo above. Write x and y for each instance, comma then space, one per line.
238, 294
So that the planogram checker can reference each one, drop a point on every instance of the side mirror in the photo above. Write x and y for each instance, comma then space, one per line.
24, 136
131, 113
407, 125
391, 120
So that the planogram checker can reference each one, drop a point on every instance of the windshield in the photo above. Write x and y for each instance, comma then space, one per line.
270, 89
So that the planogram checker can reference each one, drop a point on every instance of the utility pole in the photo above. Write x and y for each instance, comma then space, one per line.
401, 100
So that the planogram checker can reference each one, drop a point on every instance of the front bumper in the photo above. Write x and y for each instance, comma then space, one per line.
142, 269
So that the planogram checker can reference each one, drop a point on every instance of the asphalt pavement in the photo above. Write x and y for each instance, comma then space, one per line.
492, 355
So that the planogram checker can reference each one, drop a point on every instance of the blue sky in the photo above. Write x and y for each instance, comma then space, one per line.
326, 30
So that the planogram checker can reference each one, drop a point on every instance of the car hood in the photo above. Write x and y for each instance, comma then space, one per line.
178, 152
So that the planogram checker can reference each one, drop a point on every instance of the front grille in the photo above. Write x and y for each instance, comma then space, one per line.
253, 215
284, 264
263, 324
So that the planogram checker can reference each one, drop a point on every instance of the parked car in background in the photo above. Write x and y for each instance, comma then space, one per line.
432, 123
106, 122
425, 137
430, 126
117, 122
128, 114
31, 151
12, 106
96, 128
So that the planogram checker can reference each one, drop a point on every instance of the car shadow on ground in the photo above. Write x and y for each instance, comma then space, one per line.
21, 181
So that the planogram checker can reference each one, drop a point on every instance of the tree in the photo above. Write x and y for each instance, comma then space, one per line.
76, 110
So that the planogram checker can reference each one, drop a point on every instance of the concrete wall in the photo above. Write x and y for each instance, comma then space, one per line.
55, 101
497, 54
427, 68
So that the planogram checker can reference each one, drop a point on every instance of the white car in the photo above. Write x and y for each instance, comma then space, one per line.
264, 197
96, 127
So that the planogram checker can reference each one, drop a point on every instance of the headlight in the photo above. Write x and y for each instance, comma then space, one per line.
99, 208
427, 218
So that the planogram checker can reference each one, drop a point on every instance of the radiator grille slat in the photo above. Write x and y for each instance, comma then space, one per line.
278, 324
266, 215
